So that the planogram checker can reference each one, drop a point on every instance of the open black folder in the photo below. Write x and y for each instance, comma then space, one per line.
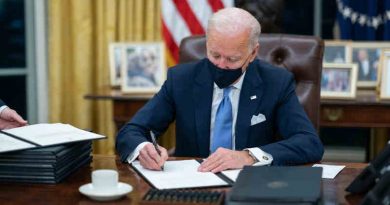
42, 135
277, 185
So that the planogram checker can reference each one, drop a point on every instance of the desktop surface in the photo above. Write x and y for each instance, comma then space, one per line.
66, 192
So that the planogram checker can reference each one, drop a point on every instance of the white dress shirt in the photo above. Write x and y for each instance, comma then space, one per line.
262, 157
2, 108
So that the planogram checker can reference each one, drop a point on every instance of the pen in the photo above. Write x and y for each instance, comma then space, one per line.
155, 145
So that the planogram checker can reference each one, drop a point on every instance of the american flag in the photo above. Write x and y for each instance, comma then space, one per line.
182, 18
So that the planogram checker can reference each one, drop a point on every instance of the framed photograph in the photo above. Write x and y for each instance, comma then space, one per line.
366, 55
116, 54
337, 52
338, 81
385, 75
144, 68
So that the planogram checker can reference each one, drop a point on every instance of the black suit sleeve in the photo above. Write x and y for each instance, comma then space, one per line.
156, 115
1, 103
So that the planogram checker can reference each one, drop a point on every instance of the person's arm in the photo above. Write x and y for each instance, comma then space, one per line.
156, 115
300, 143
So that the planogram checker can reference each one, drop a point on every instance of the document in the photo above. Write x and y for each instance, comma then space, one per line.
329, 171
10, 144
41, 135
232, 174
179, 174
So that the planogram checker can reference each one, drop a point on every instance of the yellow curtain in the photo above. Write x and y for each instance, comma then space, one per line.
80, 32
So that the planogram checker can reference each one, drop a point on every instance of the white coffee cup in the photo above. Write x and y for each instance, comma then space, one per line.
105, 180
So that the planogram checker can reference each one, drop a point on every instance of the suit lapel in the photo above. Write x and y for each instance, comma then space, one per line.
250, 99
203, 94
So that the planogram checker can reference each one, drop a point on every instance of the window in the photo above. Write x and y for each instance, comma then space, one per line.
19, 39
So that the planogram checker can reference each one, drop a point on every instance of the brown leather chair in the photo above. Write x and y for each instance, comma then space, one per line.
301, 55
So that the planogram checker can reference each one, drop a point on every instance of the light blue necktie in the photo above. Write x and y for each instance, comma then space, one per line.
222, 136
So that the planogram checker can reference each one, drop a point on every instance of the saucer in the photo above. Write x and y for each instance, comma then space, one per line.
91, 192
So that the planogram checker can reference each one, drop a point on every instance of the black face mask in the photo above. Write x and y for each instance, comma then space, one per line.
224, 77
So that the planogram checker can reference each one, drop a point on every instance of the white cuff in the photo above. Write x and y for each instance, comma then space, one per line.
263, 158
2, 108
132, 156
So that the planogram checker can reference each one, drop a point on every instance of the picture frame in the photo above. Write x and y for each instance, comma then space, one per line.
337, 52
367, 56
338, 81
144, 68
116, 54
384, 69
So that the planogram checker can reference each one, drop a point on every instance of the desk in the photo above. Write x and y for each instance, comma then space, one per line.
125, 106
365, 111
67, 192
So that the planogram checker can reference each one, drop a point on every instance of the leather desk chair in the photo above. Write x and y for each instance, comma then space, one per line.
301, 55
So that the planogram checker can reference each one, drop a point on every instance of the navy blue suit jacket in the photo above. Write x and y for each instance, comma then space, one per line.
186, 97
1, 103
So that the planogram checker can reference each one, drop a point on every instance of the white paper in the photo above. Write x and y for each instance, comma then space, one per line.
232, 174
329, 171
10, 144
52, 134
180, 174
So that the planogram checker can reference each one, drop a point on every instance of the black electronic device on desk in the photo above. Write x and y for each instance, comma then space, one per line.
182, 196
372, 173
277, 185
380, 194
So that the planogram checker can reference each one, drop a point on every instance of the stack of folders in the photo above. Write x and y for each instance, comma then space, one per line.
44, 165
43, 153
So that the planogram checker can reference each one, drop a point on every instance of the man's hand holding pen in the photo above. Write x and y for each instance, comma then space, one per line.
150, 158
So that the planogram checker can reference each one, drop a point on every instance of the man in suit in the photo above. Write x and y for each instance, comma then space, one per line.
9, 118
366, 66
259, 100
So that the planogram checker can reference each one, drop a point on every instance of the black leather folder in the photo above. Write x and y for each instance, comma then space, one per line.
277, 185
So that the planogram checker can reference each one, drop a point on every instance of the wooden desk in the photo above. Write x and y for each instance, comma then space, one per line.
67, 192
125, 106
365, 111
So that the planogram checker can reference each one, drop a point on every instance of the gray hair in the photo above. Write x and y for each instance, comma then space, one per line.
233, 20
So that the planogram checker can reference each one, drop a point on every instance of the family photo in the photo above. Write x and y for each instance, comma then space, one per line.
144, 69
368, 61
338, 81
116, 54
337, 52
